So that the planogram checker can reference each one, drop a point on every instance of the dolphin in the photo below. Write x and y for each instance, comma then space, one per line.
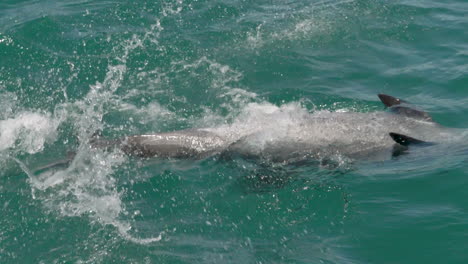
351, 134
320, 135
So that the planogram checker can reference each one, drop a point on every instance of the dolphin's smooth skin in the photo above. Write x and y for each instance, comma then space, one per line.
369, 136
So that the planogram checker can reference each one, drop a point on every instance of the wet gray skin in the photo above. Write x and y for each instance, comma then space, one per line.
368, 136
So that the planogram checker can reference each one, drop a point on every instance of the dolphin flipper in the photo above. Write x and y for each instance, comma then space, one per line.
406, 140
401, 107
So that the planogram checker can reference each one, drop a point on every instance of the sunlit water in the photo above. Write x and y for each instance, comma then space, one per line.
70, 68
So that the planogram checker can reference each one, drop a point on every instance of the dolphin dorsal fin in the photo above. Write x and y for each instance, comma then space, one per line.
402, 107
406, 140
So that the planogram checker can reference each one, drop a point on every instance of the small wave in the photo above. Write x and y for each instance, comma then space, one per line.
22, 13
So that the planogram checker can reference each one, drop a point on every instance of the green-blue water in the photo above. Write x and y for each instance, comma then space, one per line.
69, 68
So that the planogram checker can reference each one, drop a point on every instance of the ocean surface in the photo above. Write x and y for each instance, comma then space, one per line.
69, 68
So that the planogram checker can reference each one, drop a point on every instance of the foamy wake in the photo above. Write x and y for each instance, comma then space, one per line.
27, 131
88, 187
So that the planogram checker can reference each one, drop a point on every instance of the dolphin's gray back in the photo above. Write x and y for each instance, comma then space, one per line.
317, 135
178, 144
324, 134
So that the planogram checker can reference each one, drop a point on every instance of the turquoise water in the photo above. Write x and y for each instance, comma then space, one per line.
69, 68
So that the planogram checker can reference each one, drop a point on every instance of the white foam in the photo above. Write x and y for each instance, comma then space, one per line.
27, 131
7, 104
272, 120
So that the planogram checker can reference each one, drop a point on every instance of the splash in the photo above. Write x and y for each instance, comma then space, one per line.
88, 187
27, 131
273, 120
